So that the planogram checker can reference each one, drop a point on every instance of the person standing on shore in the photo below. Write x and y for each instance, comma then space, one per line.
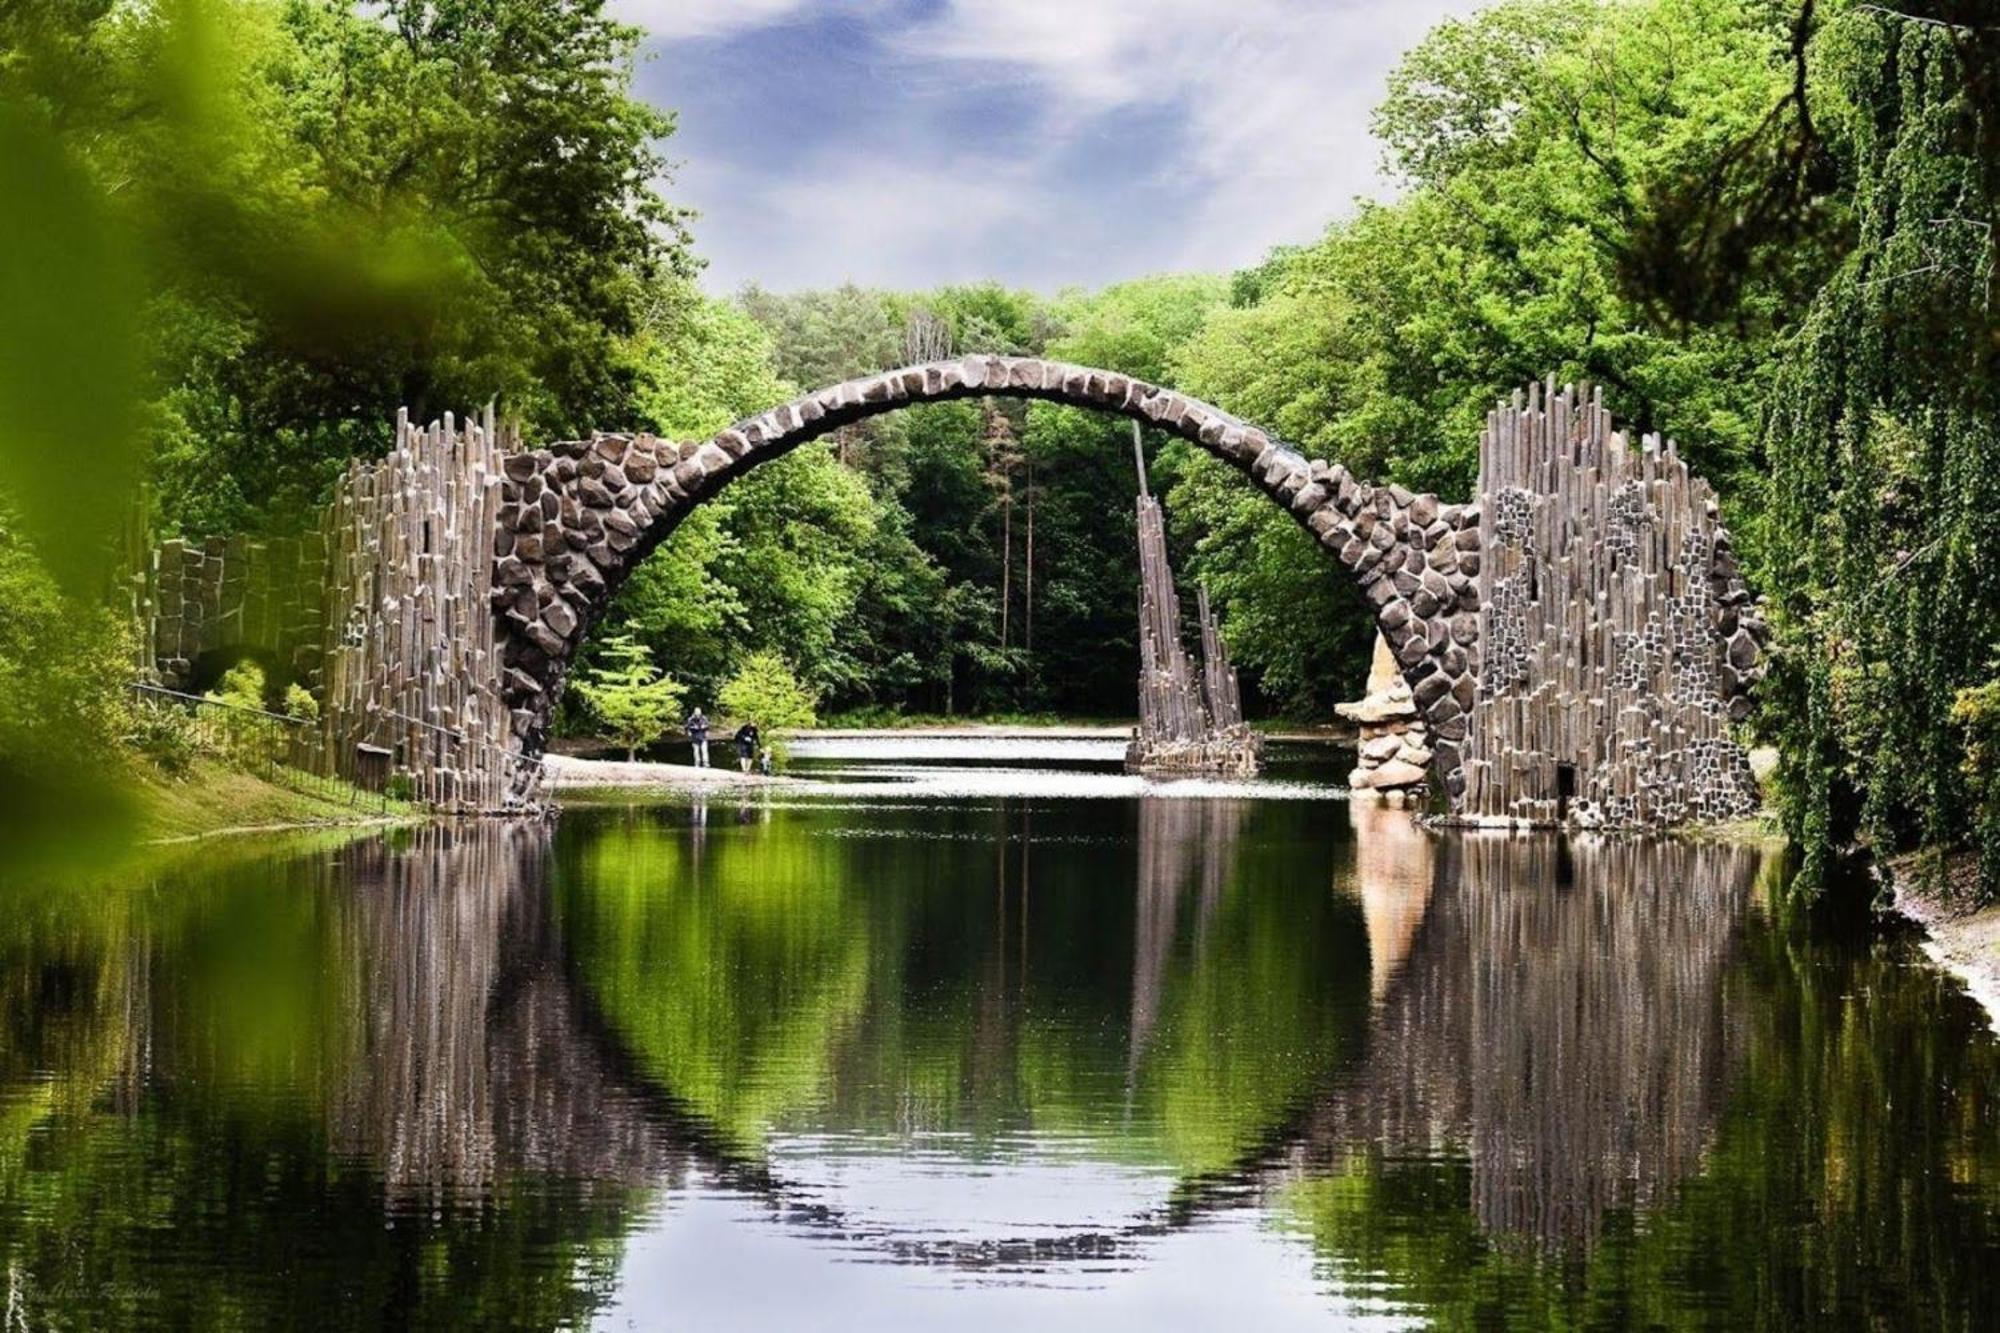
747, 737
697, 730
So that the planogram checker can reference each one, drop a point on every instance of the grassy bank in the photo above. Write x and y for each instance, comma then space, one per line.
133, 814
1760, 828
212, 797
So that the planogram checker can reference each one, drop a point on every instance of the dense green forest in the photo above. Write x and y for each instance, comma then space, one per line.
1765, 226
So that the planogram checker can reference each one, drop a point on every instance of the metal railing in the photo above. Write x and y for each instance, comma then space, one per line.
446, 778
438, 767
290, 751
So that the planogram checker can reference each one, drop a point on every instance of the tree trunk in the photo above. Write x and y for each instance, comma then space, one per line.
1028, 574
1006, 563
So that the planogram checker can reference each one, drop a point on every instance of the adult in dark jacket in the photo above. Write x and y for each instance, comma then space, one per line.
697, 730
747, 737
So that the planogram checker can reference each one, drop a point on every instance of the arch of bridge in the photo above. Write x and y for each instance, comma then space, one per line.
578, 516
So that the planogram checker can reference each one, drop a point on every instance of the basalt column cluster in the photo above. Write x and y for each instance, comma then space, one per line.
413, 660
1618, 639
384, 614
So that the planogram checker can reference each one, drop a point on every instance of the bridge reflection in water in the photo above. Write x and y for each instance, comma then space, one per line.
1551, 1010
1553, 1006
471, 1064
1030, 1044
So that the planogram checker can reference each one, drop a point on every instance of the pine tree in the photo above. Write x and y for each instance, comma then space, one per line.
638, 703
1003, 460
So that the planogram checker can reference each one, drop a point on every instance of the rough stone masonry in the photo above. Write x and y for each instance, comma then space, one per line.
575, 518
578, 516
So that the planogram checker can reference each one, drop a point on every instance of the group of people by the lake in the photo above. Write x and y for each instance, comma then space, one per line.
750, 747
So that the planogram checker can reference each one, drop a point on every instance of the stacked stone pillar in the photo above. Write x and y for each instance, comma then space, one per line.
1393, 751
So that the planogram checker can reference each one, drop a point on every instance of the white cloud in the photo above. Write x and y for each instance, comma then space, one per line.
673, 20
874, 221
1276, 94
1266, 104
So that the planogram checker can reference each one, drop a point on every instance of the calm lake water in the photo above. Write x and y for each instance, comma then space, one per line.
980, 1040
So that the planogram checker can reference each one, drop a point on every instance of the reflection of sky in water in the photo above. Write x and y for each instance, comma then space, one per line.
717, 1261
947, 783
938, 1191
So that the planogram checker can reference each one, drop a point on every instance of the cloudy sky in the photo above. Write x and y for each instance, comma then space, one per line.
1045, 143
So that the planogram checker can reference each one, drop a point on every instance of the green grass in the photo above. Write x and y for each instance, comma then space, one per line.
212, 797
1758, 827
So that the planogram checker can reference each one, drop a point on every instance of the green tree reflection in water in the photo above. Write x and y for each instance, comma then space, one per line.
985, 971
209, 1112
1491, 1082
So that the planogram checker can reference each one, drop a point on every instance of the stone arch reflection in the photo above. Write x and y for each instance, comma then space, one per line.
1552, 1010
213, 1022
471, 1060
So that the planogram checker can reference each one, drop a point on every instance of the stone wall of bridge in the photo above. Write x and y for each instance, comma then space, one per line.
579, 515
1576, 638
204, 603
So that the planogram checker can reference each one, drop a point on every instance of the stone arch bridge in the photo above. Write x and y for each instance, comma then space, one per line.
1576, 635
